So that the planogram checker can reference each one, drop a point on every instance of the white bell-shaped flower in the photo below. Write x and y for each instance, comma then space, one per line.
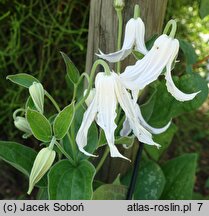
149, 68
134, 37
108, 92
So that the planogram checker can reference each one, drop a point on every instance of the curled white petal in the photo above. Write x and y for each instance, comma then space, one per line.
116, 56
107, 103
124, 98
175, 92
126, 129
140, 31
147, 126
88, 117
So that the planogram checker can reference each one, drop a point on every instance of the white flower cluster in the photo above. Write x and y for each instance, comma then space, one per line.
113, 88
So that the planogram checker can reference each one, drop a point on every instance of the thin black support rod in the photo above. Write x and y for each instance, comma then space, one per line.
135, 172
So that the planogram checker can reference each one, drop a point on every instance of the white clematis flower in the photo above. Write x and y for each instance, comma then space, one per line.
134, 37
148, 69
126, 130
108, 92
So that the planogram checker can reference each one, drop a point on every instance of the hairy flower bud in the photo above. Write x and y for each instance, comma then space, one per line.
41, 165
37, 94
22, 124
119, 4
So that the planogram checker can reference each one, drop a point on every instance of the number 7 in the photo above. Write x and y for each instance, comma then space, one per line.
200, 205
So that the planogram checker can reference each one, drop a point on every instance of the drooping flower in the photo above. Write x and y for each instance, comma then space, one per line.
36, 91
148, 69
22, 124
41, 165
134, 37
108, 92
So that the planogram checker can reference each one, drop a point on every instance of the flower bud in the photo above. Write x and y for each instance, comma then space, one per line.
41, 165
119, 4
22, 124
37, 94
90, 96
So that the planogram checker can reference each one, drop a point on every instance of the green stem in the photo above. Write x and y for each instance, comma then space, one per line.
72, 142
173, 25
93, 71
65, 153
136, 11
51, 145
106, 152
53, 101
16, 111
77, 84
120, 28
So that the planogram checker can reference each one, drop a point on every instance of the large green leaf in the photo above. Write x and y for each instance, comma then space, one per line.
204, 8
63, 121
110, 192
150, 181
164, 140
17, 155
40, 126
180, 177
22, 79
72, 71
167, 107
67, 182
20, 157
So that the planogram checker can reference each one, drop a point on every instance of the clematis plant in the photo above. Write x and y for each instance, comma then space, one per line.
68, 139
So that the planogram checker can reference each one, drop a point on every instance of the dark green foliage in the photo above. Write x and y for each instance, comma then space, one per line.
32, 35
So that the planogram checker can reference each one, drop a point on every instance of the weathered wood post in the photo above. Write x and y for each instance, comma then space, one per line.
103, 35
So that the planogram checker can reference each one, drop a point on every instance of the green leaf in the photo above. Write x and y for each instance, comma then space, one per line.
63, 121
20, 157
72, 71
189, 52
40, 126
204, 8
30, 104
67, 182
150, 41
22, 79
180, 177
42, 194
150, 181
164, 139
17, 155
110, 192
167, 107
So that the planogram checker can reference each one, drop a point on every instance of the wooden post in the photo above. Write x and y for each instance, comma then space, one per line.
103, 35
